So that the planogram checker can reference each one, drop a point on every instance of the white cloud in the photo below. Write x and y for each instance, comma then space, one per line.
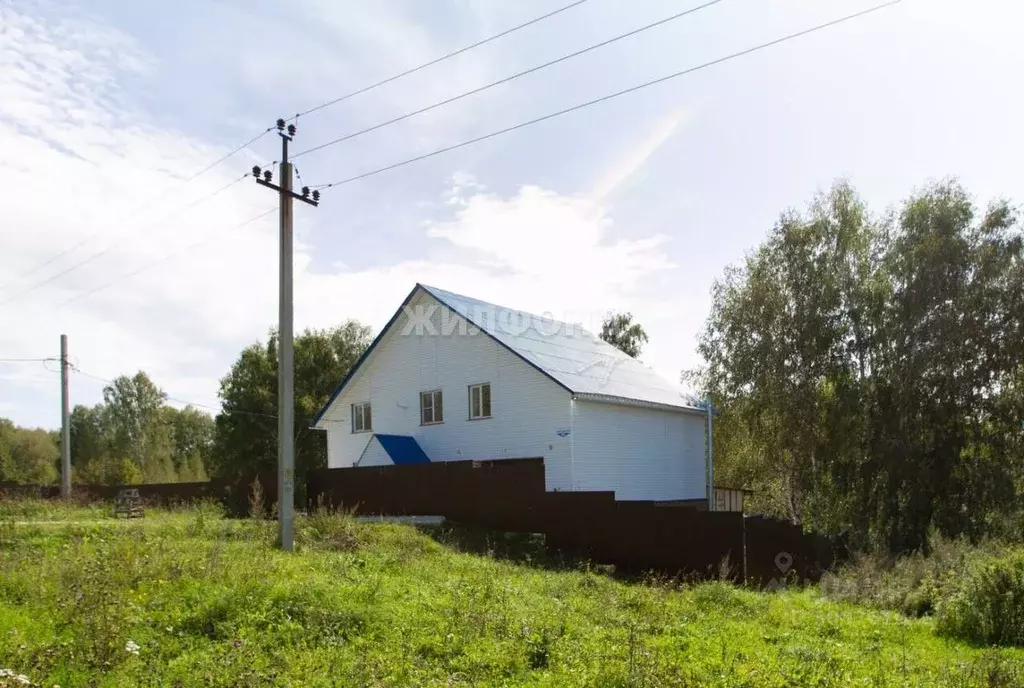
535, 250
540, 234
80, 160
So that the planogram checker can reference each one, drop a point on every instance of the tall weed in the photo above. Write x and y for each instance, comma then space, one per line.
331, 528
912, 585
986, 603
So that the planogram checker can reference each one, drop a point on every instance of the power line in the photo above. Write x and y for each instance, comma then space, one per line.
135, 210
513, 77
316, 108
104, 380
439, 59
224, 157
77, 370
610, 96
158, 261
101, 253
221, 409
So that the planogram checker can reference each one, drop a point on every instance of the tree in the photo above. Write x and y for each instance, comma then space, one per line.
132, 437
620, 331
137, 428
131, 405
953, 338
192, 434
87, 434
9, 471
246, 428
90, 447
864, 367
27, 455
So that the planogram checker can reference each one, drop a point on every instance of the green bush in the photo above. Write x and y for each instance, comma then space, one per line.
986, 605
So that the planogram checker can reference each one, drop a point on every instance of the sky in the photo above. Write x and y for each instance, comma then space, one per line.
109, 109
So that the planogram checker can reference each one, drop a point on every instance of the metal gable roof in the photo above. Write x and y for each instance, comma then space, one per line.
576, 359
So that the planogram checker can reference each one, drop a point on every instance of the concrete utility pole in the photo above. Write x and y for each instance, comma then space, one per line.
285, 345
65, 421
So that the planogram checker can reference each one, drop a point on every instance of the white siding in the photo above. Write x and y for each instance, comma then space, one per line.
374, 455
344, 447
640, 453
527, 407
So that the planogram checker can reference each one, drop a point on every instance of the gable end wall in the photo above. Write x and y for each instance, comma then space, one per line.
528, 408
641, 453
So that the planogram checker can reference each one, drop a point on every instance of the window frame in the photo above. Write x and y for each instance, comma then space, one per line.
480, 386
362, 406
434, 394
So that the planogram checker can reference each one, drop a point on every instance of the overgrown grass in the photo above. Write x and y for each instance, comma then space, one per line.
986, 603
912, 585
31, 509
190, 599
975, 592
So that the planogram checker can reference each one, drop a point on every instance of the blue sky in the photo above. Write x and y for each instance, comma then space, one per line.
635, 204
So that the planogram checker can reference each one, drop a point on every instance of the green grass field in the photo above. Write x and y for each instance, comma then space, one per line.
190, 599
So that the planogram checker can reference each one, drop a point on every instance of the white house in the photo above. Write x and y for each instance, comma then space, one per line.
451, 378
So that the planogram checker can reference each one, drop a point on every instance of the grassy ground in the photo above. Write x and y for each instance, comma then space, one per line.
190, 599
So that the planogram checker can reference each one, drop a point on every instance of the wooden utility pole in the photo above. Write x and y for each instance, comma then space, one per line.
285, 345
65, 421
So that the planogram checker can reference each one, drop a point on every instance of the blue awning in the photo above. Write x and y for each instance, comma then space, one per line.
402, 449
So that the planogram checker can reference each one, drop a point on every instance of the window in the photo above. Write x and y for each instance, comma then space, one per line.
480, 401
431, 407
361, 421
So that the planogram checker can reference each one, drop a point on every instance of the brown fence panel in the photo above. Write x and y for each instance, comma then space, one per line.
506, 493
510, 495
641, 536
780, 553
168, 494
501, 494
575, 523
